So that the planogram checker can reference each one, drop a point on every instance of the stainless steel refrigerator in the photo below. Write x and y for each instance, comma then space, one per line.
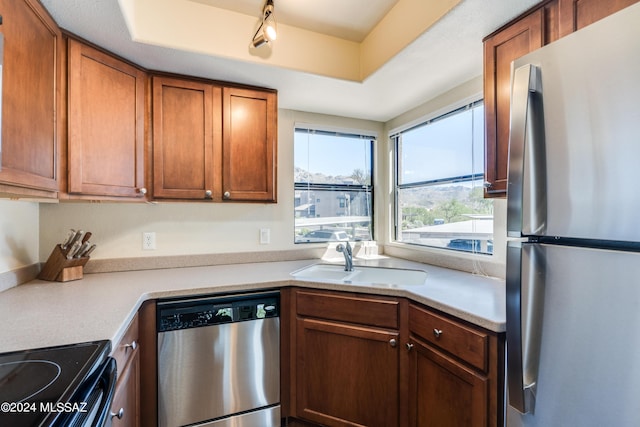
573, 218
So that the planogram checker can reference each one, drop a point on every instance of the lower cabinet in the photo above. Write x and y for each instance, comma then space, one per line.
347, 359
125, 407
454, 372
362, 360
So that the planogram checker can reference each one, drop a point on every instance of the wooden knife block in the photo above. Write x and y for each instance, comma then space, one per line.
60, 269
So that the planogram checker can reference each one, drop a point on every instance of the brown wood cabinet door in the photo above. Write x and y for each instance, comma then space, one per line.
31, 77
186, 123
249, 145
346, 375
443, 392
576, 14
500, 50
125, 408
106, 124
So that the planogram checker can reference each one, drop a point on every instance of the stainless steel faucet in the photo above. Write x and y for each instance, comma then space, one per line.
348, 255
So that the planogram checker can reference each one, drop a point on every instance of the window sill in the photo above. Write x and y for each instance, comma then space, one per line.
481, 264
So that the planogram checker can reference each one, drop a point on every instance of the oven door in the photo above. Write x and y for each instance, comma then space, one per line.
94, 398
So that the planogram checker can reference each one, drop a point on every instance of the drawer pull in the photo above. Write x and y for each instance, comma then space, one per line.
119, 415
132, 346
437, 333
409, 346
393, 342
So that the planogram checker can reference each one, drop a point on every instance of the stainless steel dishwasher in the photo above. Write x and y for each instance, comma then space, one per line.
219, 361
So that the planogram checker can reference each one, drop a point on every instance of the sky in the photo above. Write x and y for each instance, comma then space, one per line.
438, 150
331, 155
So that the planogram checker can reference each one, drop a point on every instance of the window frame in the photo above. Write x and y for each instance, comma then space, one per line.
369, 136
395, 139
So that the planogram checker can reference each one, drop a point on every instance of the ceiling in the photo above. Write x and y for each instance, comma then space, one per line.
330, 17
443, 56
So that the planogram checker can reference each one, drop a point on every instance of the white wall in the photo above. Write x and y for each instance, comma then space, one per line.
18, 237
191, 228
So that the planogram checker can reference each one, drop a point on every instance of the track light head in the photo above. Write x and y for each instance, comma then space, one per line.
267, 31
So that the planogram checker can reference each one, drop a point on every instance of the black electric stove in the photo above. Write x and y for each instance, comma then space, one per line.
40, 387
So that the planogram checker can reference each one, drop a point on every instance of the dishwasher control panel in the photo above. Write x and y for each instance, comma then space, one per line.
193, 313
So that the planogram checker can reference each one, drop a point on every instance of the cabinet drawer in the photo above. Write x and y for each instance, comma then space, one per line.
468, 344
124, 349
126, 403
349, 308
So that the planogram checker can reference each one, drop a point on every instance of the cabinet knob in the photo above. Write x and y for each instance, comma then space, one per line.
487, 184
409, 346
119, 415
208, 194
132, 346
437, 333
142, 191
393, 342
226, 195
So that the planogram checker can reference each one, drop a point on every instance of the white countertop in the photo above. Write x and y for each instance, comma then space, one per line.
100, 306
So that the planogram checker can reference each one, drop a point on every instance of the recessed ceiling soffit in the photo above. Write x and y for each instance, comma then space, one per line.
321, 47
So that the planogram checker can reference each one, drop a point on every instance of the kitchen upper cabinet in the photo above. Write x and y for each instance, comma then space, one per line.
249, 145
106, 136
575, 14
213, 143
347, 359
455, 372
186, 139
544, 24
500, 50
31, 79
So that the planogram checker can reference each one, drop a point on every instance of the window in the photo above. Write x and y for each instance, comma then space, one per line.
438, 183
333, 186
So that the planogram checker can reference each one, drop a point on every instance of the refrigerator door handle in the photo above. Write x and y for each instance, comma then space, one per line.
526, 185
525, 301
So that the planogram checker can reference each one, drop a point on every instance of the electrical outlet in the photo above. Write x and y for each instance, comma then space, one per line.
148, 241
265, 236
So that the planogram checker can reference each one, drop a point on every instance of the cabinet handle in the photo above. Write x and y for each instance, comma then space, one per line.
409, 346
142, 191
119, 415
132, 346
393, 342
437, 333
487, 184
226, 195
208, 194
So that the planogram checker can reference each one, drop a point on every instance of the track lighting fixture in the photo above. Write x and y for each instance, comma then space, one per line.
267, 30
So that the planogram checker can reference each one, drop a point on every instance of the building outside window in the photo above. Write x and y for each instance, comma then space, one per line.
439, 175
333, 185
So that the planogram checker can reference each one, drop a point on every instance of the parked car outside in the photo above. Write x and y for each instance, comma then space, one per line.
323, 236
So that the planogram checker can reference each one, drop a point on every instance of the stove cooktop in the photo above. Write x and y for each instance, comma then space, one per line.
35, 383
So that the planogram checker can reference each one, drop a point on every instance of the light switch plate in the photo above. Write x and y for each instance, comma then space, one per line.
265, 236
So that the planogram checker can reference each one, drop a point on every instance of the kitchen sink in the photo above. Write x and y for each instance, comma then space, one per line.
362, 275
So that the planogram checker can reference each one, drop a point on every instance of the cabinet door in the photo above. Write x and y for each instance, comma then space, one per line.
500, 50
443, 392
249, 145
30, 80
575, 14
346, 375
106, 124
125, 408
186, 121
